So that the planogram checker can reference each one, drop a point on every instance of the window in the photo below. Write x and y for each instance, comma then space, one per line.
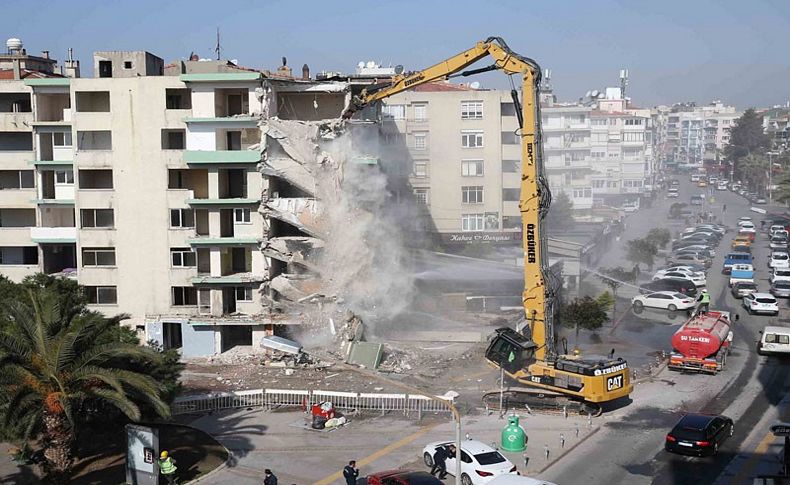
632, 183
633, 122
633, 136
420, 141
580, 193
598, 184
394, 111
97, 218
472, 194
420, 169
612, 121
61, 139
173, 139
128, 65
511, 166
421, 195
510, 194
599, 137
98, 256
597, 155
507, 109
184, 296
94, 140
16, 179
420, 112
102, 295
510, 138
241, 216
471, 110
183, 258
105, 68
511, 222
472, 222
178, 99
392, 138
182, 218
95, 179
93, 101
204, 301
243, 293
614, 155
472, 168
64, 176
472, 139
598, 121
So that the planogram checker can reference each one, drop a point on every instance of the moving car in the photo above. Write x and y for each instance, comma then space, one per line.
721, 186
780, 289
479, 462
699, 434
780, 275
673, 193
779, 260
761, 303
740, 273
741, 240
686, 287
735, 258
702, 183
743, 288
774, 340
399, 477
663, 299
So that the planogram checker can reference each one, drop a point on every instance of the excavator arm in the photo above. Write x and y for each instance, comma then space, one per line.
535, 195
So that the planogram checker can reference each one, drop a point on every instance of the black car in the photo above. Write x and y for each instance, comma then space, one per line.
699, 434
669, 284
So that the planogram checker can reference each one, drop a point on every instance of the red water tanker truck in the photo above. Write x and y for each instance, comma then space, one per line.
702, 343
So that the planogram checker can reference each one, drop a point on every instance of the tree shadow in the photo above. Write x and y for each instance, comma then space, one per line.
25, 475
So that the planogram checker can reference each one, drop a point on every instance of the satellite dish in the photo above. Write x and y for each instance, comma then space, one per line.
398, 69
588, 94
474, 85
361, 64
594, 93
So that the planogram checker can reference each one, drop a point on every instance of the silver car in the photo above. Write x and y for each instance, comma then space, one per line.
781, 289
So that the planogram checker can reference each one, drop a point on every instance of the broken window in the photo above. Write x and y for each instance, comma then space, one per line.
97, 218
101, 295
98, 256
394, 111
472, 168
472, 222
472, 139
182, 218
183, 258
173, 139
472, 194
184, 296
471, 110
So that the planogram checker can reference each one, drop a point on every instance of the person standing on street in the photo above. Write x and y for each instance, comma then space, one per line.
167, 467
704, 302
270, 478
350, 473
724, 208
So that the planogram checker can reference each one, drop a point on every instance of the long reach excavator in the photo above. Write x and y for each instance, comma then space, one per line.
550, 380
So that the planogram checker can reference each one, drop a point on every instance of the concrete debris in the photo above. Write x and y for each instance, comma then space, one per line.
273, 342
290, 170
300, 250
304, 214
294, 287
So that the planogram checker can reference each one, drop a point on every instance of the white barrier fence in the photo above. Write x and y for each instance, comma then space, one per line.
355, 402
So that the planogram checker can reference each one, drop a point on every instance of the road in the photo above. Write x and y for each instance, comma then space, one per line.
630, 447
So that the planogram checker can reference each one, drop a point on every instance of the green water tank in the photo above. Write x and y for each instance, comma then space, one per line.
514, 438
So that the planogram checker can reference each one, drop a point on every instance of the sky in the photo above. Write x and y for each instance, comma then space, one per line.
675, 50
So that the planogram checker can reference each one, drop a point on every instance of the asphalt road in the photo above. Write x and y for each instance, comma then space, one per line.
630, 448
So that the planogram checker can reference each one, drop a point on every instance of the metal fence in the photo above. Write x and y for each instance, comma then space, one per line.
408, 404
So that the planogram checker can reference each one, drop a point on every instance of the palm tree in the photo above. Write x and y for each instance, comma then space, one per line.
53, 362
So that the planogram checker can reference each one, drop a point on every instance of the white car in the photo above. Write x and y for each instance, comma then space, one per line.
678, 268
744, 218
694, 278
780, 275
669, 300
681, 267
774, 228
761, 303
779, 260
747, 229
673, 193
479, 462
721, 186
778, 242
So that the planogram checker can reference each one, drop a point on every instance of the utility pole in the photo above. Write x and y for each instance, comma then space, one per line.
218, 49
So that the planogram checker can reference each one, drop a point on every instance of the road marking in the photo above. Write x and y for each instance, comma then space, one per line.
375, 456
747, 467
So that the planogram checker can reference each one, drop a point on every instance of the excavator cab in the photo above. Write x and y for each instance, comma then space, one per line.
510, 350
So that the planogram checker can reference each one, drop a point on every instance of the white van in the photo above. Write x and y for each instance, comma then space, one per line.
774, 340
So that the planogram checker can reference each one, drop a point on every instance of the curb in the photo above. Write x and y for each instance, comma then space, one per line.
221, 466
561, 456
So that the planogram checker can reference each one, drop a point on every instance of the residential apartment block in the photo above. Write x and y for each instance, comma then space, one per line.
694, 135
143, 184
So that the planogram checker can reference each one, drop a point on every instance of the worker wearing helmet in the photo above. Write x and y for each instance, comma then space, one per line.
704, 302
167, 467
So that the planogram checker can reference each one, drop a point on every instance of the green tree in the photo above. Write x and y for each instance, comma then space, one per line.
659, 236
614, 278
585, 313
747, 137
607, 301
642, 251
54, 361
559, 216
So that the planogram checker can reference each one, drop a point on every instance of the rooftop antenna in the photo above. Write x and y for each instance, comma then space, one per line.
218, 49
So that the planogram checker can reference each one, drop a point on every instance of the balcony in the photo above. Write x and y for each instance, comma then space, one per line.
221, 157
223, 241
53, 235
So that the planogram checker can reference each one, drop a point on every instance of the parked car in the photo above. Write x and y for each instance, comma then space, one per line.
761, 303
676, 269
699, 434
743, 288
780, 289
774, 340
399, 477
779, 260
479, 462
697, 268
774, 228
780, 275
686, 287
778, 242
663, 299
760, 200
695, 258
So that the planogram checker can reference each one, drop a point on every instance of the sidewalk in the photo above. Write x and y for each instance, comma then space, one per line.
259, 440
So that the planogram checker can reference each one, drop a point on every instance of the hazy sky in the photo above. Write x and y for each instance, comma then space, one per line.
697, 50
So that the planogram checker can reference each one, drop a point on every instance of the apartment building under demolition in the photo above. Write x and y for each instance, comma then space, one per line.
145, 184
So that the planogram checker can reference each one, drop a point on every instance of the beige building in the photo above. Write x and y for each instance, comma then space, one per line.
146, 188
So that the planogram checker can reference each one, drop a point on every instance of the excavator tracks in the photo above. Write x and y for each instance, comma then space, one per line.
538, 401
